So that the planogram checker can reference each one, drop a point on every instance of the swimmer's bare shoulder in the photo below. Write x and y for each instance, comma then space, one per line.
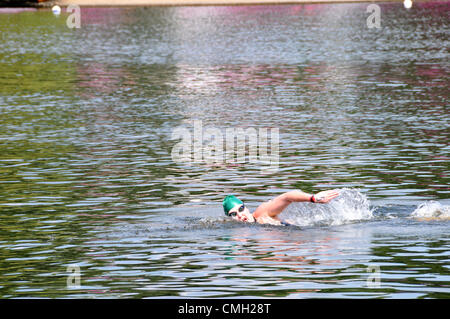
262, 216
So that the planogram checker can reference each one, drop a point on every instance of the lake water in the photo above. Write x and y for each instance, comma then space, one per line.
89, 184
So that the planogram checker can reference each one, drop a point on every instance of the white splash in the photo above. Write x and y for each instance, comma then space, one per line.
431, 210
349, 206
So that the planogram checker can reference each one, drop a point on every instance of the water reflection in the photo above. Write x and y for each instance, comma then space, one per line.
263, 261
86, 175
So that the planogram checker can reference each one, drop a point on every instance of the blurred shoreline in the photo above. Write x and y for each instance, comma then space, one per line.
195, 2
93, 3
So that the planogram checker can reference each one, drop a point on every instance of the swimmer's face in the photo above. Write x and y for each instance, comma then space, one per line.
241, 213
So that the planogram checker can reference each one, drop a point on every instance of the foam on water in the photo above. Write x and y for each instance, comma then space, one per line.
350, 206
431, 210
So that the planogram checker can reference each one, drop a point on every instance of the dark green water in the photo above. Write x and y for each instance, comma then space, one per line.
87, 177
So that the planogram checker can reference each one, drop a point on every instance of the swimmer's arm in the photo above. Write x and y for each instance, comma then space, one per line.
279, 203
321, 197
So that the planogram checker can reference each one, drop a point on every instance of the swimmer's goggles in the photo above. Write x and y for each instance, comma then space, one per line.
240, 209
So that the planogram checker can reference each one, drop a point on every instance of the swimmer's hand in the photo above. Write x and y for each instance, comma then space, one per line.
325, 196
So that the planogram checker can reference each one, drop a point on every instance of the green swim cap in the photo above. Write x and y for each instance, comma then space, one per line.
229, 202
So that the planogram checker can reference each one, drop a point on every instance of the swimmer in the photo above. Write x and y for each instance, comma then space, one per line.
267, 213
